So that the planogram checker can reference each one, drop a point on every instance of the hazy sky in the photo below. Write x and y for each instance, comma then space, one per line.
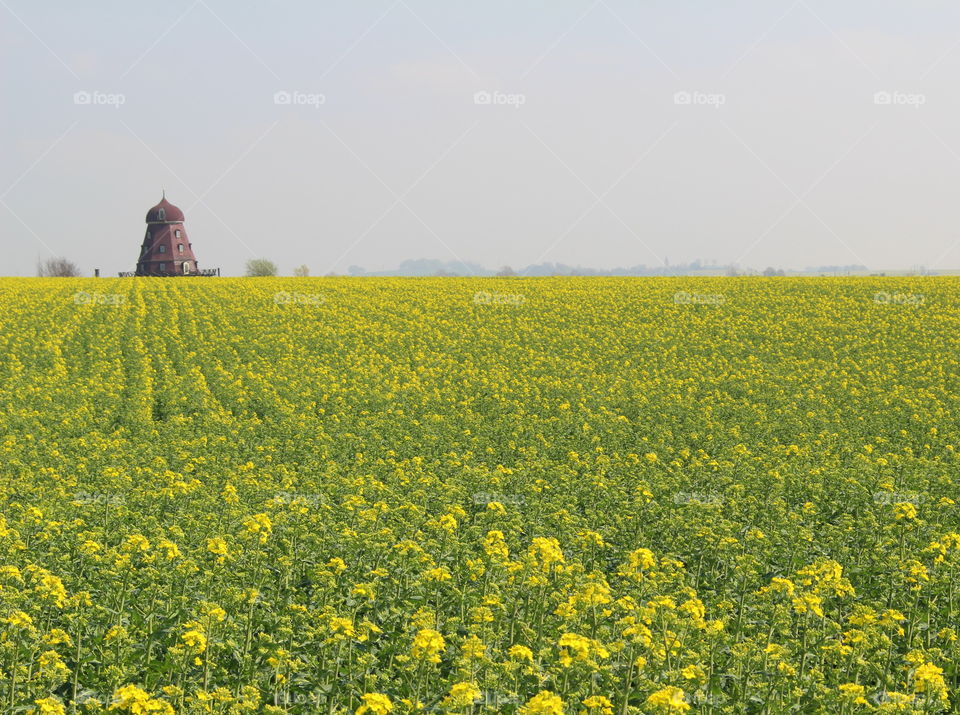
617, 133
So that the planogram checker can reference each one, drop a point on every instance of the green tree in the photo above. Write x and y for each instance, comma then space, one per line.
260, 268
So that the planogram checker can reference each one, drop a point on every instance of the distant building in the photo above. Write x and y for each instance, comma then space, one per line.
166, 250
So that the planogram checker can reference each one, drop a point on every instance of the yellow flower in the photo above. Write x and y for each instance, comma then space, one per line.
593, 538
640, 560
90, 547
808, 603
897, 702
779, 585
461, 695
20, 619
52, 665
58, 636
342, 627
669, 700
543, 703
441, 573
546, 552
598, 703
473, 648
115, 632
495, 547
481, 614
11, 572
194, 637
694, 608
374, 704
218, 547
428, 644
853, 693
520, 652
574, 647
170, 549
916, 573
904, 511
214, 612
259, 525
891, 617
448, 523
693, 672
51, 588
136, 542
365, 590
49, 706
928, 680
230, 494
138, 702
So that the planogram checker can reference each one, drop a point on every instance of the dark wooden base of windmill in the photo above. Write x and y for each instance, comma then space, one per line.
202, 272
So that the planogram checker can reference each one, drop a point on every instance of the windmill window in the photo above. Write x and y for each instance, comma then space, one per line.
163, 249
180, 246
178, 233
163, 267
162, 214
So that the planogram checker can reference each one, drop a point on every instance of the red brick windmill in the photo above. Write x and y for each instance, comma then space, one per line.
166, 250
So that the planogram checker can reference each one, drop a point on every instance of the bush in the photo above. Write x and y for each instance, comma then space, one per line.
57, 268
261, 268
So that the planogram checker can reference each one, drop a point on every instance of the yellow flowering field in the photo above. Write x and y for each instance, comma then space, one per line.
374, 496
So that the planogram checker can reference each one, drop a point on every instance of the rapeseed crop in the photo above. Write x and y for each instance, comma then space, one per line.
475, 495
